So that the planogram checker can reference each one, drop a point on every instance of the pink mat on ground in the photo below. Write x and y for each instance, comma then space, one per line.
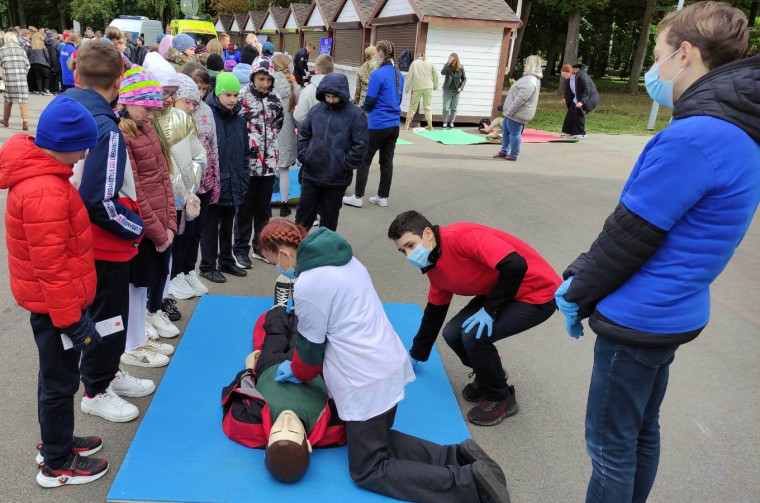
536, 136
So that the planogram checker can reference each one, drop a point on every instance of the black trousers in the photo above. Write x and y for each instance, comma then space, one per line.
100, 364
156, 290
57, 383
386, 461
383, 140
281, 328
186, 246
41, 77
216, 241
322, 199
481, 354
253, 214
575, 121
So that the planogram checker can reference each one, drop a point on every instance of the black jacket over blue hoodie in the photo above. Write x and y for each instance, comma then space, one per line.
234, 154
333, 139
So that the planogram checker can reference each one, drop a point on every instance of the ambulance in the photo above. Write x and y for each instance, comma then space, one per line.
197, 27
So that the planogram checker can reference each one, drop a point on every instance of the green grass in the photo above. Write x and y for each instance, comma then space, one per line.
618, 112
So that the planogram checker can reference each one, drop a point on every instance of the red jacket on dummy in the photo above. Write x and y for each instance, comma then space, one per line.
48, 234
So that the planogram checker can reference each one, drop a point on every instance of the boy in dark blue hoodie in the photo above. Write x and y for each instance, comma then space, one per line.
107, 188
332, 143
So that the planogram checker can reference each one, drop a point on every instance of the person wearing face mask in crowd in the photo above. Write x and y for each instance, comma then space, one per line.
581, 97
513, 289
645, 282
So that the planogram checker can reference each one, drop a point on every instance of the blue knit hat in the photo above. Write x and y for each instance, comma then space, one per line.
183, 42
66, 126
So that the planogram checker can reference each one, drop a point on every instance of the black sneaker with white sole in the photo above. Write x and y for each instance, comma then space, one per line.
169, 306
84, 446
283, 290
77, 470
243, 262
214, 276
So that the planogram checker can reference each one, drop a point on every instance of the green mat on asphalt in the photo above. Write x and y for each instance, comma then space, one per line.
399, 141
452, 137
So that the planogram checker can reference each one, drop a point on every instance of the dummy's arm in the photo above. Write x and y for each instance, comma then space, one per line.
512, 270
432, 321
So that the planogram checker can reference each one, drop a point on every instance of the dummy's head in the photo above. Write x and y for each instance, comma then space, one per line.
409, 230
279, 242
288, 450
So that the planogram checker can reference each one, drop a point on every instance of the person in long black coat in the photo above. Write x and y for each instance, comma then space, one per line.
581, 97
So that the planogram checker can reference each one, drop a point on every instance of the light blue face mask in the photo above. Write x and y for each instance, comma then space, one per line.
289, 273
419, 257
661, 91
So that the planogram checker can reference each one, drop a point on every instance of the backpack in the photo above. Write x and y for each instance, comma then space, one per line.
404, 60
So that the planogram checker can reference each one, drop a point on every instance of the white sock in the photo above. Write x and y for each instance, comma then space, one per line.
138, 302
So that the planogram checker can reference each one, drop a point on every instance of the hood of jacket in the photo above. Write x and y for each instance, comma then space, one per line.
729, 92
538, 74
95, 103
323, 247
315, 80
243, 72
262, 65
20, 159
334, 83
224, 112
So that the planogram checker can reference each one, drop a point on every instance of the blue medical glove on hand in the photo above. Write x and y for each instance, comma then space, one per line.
284, 373
414, 362
482, 320
569, 309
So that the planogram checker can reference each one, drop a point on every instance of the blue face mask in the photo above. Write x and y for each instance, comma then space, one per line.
289, 273
661, 91
419, 257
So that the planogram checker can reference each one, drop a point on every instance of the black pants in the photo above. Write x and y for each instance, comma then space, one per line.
41, 77
156, 290
325, 200
100, 364
281, 330
216, 241
383, 140
404, 467
253, 214
575, 121
186, 245
57, 383
481, 354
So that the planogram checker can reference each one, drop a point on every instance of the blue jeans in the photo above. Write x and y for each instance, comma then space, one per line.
622, 419
511, 137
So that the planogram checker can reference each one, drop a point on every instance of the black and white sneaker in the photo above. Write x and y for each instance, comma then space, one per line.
84, 446
77, 470
283, 290
256, 254
169, 306
243, 262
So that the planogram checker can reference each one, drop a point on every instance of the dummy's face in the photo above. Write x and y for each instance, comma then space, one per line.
262, 82
332, 99
141, 115
409, 241
170, 94
228, 100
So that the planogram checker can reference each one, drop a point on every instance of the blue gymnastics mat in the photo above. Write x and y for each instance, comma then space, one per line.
180, 454
295, 189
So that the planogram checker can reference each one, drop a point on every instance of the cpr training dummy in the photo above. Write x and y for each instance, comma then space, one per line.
285, 418
345, 335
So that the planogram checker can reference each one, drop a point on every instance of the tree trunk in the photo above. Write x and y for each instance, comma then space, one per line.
573, 34
20, 13
551, 54
604, 49
524, 16
753, 12
641, 47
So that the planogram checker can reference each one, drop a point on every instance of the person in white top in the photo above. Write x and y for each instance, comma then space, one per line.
345, 335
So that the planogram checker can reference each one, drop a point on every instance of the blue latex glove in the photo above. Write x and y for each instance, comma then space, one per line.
569, 309
482, 320
414, 362
284, 373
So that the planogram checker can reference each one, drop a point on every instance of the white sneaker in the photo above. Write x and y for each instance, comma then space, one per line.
163, 325
110, 407
150, 332
126, 385
194, 282
144, 357
380, 201
159, 347
179, 289
354, 201
317, 221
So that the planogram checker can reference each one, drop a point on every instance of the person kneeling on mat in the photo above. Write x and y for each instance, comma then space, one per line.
512, 287
344, 330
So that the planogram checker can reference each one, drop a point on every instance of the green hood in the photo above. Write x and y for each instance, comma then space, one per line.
321, 248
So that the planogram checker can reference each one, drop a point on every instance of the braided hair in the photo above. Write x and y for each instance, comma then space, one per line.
389, 54
281, 232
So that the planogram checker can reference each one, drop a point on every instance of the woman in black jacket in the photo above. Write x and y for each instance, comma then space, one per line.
581, 97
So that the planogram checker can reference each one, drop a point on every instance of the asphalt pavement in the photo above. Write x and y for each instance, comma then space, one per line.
556, 198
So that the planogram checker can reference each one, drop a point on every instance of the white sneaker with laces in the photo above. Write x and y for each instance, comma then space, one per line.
194, 282
126, 385
144, 357
163, 325
159, 347
150, 332
179, 289
354, 201
380, 201
109, 406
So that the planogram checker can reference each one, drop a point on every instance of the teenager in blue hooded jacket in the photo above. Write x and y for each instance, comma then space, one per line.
332, 143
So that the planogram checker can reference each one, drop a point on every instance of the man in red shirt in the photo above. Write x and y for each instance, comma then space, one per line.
513, 289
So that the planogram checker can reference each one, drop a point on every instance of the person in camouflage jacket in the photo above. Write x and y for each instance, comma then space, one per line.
362, 78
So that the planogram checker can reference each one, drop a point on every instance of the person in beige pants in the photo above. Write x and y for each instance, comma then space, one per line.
422, 80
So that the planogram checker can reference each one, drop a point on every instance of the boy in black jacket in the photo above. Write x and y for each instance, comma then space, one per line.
332, 143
